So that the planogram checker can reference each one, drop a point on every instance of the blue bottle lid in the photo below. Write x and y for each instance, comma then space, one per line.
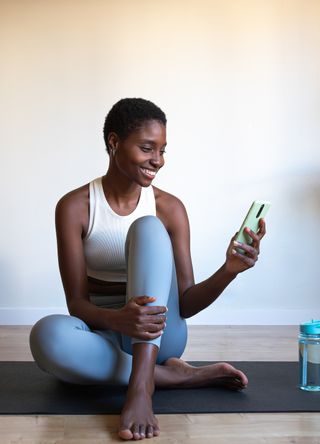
310, 328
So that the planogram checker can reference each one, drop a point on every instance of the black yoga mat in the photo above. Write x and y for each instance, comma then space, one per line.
25, 389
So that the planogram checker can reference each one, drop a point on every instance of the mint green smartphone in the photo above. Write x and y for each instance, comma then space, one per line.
258, 210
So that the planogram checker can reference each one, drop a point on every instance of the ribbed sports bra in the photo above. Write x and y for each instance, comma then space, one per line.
104, 244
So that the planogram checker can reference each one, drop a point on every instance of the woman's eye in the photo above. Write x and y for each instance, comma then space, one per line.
145, 149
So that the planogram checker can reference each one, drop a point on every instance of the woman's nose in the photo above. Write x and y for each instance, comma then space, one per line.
156, 159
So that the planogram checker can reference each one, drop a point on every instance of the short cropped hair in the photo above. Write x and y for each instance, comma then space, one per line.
128, 115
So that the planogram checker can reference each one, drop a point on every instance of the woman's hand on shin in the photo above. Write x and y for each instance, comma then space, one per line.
138, 320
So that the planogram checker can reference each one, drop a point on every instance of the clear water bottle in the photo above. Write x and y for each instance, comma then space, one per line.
309, 356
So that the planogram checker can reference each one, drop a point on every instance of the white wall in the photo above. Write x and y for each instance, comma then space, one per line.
239, 82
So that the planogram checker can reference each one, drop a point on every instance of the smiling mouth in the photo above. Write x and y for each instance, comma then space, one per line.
149, 173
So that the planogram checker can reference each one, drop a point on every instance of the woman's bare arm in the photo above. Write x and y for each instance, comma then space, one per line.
195, 297
71, 219
192, 297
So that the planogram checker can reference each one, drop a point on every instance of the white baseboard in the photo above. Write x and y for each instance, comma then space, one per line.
254, 317
28, 316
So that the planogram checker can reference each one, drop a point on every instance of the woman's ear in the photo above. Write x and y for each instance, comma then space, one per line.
113, 141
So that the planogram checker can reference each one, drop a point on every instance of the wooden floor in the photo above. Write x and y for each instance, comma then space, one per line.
264, 343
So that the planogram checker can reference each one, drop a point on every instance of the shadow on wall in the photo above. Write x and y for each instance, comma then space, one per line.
295, 192
308, 196
23, 286
297, 209
10, 282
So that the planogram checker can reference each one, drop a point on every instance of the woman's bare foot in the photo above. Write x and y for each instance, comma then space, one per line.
176, 373
137, 420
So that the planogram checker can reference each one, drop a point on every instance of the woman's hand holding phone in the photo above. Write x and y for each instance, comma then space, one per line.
244, 248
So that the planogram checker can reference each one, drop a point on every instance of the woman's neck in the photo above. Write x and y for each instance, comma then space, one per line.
122, 194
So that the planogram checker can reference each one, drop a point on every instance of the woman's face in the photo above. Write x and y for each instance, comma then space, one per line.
140, 156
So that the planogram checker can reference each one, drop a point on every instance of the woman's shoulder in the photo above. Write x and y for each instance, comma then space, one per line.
75, 197
169, 207
164, 198
74, 205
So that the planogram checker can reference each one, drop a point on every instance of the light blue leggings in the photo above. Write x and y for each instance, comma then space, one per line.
67, 348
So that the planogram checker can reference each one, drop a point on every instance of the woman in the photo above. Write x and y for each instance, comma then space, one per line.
124, 258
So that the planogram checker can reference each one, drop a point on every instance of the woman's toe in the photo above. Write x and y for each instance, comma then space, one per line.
125, 434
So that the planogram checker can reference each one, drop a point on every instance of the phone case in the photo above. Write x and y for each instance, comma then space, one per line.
258, 210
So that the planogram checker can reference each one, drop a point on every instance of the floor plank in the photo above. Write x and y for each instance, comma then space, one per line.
216, 428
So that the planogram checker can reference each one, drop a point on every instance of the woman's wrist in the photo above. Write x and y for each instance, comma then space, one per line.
95, 317
229, 273
107, 317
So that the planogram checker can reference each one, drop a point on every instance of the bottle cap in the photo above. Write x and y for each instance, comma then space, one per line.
310, 328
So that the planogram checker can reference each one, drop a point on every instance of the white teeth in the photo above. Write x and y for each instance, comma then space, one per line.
149, 172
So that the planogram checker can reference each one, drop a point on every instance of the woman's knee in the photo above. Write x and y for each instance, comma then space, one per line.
148, 232
148, 221
147, 225
48, 334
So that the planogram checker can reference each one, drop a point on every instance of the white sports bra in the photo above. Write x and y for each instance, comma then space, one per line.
104, 244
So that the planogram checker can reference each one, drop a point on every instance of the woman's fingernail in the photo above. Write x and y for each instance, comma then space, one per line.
237, 243
234, 252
